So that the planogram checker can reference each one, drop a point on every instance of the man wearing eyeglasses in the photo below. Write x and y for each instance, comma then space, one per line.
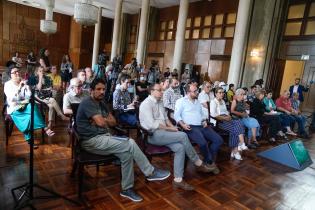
154, 118
189, 115
75, 95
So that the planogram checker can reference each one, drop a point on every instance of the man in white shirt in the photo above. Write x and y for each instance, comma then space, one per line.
189, 115
153, 118
204, 98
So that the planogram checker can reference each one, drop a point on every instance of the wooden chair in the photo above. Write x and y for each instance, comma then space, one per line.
82, 158
148, 149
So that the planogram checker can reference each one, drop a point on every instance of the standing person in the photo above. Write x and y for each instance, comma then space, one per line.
298, 88
31, 63
18, 94
189, 115
153, 118
44, 59
99, 69
66, 69
175, 73
93, 121
235, 128
240, 110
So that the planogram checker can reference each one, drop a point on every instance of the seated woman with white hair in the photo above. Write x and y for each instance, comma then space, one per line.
240, 110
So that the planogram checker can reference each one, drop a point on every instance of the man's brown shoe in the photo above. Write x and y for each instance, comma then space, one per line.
206, 168
182, 185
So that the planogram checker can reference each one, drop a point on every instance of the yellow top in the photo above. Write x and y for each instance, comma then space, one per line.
230, 95
56, 79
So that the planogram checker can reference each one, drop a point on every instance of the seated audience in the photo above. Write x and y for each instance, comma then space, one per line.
82, 77
17, 59
284, 105
89, 76
122, 102
56, 83
286, 120
165, 84
258, 111
75, 95
44, 59
235, 128
230, 93
189, 115
204, 98
172, 94
142, 88
43, 93
153, 118
252, 93
240, 111
167, 73
18, 106
93, 121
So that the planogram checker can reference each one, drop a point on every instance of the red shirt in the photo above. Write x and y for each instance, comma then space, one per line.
284, 103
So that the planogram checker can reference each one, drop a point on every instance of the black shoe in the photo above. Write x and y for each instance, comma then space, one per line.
158, 174
251, 146
256, 144
131, 194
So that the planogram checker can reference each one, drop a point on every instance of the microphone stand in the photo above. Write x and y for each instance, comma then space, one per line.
25, 197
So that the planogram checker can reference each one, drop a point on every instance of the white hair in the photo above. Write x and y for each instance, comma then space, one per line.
239, 91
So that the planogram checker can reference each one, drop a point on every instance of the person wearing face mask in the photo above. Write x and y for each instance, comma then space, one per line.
122, 102
75, 95
172, 94
142, 88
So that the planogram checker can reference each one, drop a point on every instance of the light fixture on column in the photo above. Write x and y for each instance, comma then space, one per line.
85, 13
255, 53
48, 26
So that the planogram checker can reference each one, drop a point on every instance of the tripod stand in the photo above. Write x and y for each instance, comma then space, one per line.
26, 191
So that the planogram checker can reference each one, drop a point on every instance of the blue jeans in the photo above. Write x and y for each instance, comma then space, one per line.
128, 118
300, 119
202, 136
250, 122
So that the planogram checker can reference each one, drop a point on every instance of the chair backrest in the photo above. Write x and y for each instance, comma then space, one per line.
74, 107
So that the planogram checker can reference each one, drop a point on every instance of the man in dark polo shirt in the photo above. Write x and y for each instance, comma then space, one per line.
93, 121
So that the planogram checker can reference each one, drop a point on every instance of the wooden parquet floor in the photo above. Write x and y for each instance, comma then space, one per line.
253, 183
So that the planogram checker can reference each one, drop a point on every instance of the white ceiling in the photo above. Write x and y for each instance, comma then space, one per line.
129, 6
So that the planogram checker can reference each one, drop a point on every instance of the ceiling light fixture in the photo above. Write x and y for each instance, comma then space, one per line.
85, 13
48, 26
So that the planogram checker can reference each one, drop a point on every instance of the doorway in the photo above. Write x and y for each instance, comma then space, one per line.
293, 69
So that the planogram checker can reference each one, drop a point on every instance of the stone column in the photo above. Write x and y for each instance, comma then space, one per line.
238, 47
117, 23
142, 37
180, 35
97, 33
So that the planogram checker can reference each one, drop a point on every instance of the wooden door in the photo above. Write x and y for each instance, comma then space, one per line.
309, 97
275, 76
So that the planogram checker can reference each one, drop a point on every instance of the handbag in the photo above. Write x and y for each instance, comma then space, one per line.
42, 94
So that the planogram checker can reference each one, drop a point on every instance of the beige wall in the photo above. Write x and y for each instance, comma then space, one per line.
292, 70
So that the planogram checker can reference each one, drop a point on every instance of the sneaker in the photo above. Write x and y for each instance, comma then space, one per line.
272, 140
236, 156
251, 146
204, 168
183, 185
131, 194
242, 147
214, 168
291, 133
158, 174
